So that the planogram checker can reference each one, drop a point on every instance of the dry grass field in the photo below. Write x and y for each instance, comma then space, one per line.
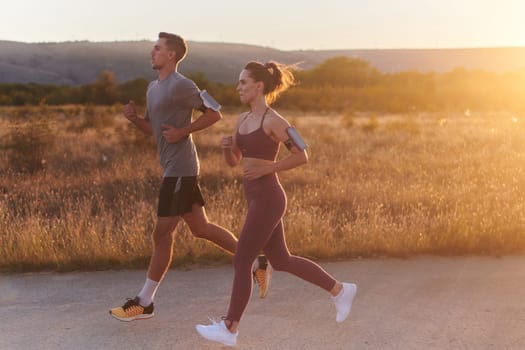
78, 188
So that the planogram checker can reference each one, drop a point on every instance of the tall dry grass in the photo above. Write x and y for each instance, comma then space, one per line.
376, 185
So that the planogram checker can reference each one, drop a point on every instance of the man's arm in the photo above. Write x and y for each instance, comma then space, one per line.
142, 123
206, 119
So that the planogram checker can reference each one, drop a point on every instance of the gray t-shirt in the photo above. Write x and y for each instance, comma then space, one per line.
171, 101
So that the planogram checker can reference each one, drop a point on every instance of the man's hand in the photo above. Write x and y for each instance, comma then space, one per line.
173, 134
130, 111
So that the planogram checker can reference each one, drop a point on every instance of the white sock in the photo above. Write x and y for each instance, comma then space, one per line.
147, 294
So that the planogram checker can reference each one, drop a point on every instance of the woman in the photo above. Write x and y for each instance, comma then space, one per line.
256, 141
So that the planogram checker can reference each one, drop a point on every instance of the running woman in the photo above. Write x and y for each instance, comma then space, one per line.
256, 142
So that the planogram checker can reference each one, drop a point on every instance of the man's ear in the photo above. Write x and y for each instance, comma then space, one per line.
172, 55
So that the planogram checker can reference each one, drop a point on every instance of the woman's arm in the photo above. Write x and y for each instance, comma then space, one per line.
232, 154
276, 127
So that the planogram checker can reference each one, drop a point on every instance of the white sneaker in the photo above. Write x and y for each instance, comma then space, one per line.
218, 332
343, 301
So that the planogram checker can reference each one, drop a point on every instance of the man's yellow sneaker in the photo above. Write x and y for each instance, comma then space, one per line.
263, 276
132, 310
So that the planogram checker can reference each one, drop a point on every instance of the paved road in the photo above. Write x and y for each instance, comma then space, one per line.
418, 303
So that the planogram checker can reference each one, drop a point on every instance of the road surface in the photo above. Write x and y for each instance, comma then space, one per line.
417, 303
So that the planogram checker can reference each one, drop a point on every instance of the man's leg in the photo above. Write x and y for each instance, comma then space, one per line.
141, 307
200, 227
162, 247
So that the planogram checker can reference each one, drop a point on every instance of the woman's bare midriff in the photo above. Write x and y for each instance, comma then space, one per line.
250, 162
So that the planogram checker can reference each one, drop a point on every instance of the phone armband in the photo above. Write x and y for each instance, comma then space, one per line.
294, 139
209, 102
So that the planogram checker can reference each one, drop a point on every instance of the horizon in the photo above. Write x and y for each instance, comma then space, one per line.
284, 26
273, 48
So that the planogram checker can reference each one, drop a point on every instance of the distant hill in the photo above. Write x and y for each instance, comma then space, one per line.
75, 63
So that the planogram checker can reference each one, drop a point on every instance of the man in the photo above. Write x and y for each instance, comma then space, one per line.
170, 102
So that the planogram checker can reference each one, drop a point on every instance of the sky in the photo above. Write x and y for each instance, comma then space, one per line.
280, 24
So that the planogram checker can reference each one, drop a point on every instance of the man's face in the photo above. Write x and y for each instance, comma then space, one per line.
161, 55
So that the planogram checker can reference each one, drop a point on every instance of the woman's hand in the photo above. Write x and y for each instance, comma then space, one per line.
227, 142
232, 155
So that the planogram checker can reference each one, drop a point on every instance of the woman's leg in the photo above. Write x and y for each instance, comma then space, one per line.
279, 256
258, 227
277, 253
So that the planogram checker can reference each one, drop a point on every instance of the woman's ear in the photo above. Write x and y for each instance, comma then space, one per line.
260, 86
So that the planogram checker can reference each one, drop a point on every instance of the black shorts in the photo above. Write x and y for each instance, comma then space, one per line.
177, 196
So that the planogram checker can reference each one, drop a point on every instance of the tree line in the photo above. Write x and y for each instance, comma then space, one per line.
338, 84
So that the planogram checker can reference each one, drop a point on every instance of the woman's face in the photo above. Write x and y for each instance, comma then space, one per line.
247, 87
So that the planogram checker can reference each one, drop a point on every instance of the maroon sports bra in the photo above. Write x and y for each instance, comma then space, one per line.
257, 144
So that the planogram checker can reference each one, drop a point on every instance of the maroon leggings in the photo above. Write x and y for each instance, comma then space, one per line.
263, 231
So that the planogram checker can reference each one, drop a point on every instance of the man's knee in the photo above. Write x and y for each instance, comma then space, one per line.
164, 230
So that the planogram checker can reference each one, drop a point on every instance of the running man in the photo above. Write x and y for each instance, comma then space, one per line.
168, 117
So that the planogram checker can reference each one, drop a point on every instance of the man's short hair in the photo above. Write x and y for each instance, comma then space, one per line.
175, 43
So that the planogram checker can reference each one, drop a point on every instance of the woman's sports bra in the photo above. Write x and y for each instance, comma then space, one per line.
257, 144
